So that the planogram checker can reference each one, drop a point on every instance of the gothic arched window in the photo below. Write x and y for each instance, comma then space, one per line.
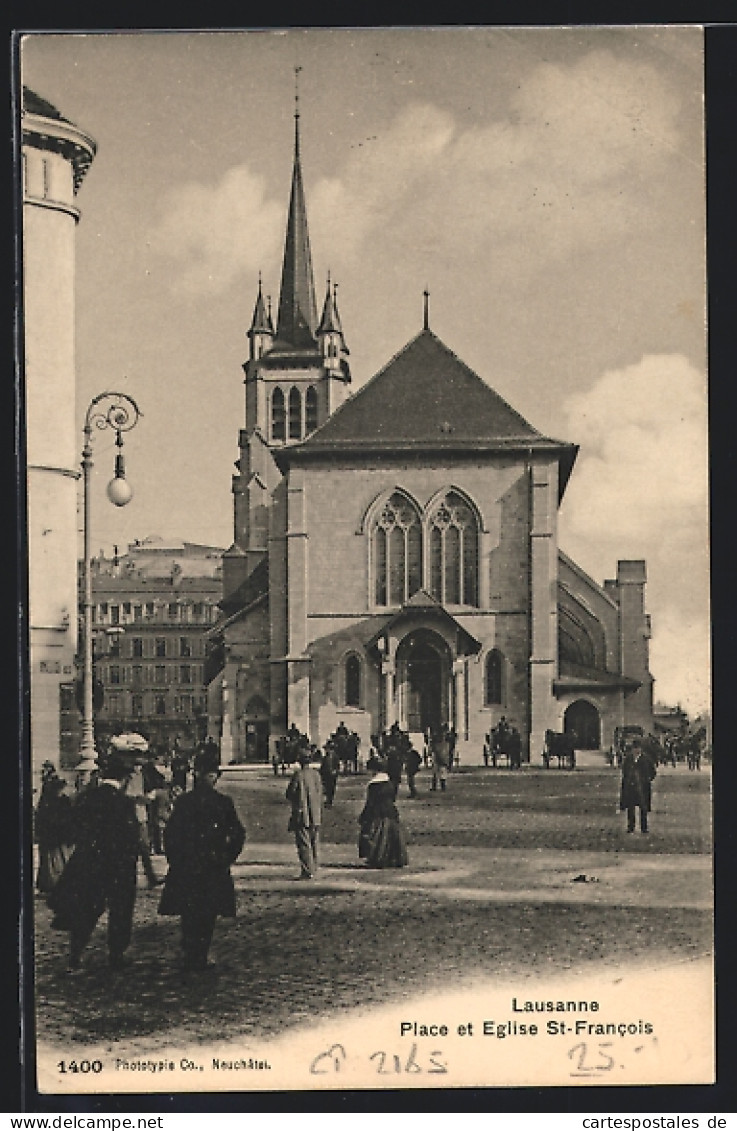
310, 409
295, 414
493, 673
353, 681
397, 552
453, 543
278, 416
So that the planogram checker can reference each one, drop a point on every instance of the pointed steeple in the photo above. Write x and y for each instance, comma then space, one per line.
297, 318
261, 322
330, 320
261, 332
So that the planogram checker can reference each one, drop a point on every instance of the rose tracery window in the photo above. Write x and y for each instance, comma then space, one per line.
453, 552
397, 545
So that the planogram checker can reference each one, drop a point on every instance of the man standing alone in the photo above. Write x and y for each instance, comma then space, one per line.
202, 839
304, 792
638, 772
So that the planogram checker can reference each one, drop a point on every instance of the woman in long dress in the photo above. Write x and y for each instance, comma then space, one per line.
381, 841
53, 823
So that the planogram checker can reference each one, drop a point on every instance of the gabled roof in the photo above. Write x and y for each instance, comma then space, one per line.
423, 602
427, 399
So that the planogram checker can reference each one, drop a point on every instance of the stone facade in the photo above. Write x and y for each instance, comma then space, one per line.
55, 156
153, 608
395, 554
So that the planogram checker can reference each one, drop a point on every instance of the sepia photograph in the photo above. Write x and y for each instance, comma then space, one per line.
365, 407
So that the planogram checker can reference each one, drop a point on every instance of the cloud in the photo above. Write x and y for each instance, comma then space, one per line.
568, 162
680, 660
216, 232
640, 490
575, 159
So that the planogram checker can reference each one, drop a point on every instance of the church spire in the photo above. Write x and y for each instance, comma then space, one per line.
297, 317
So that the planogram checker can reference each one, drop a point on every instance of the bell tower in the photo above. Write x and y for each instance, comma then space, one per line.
296, 375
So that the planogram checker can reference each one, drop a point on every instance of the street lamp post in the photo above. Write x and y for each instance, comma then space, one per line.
119, 412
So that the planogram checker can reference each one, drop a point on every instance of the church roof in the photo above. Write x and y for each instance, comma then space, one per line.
426, 399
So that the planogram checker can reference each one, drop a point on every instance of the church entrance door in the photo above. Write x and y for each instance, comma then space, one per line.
582, 721
424, 671
256, 730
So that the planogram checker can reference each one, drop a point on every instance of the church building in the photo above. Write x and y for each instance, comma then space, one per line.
395, 554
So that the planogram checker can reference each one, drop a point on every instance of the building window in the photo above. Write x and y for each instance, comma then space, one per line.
185, 704
278, 416
493, 673
114, 645
185, 673
137, 705
453, 540
160, 646
173, 609
115, 614
295, 414
159, 674
137, 646
311, 409
185, 648
149, 608
114, 673
397, 552
113, 704
353, 681
103, 609
198, 608
137, 675
127, 608
160, 705
137, 612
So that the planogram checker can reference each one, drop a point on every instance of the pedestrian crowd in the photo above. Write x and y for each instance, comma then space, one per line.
131, 809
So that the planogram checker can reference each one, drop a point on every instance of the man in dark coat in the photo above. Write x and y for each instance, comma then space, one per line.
329, 772
638, 773
101, 872
412, 763
202, 838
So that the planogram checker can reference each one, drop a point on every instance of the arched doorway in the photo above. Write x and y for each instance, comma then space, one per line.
423, 663
257, 730
582, 721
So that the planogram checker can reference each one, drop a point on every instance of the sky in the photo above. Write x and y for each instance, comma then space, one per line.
545, 184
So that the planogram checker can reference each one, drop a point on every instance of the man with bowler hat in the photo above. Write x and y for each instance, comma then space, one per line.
202, 838
101, 872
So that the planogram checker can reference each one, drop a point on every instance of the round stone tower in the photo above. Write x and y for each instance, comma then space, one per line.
55, 155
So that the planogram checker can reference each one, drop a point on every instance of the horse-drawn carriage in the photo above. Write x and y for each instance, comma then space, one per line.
503, 743
559, 748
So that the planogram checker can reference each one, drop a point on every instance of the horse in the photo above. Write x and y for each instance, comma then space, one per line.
561, 747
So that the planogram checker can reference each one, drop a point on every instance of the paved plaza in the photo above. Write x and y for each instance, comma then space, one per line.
520, 875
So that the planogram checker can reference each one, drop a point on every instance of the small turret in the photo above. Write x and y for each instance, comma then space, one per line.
261, 332
330, 331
